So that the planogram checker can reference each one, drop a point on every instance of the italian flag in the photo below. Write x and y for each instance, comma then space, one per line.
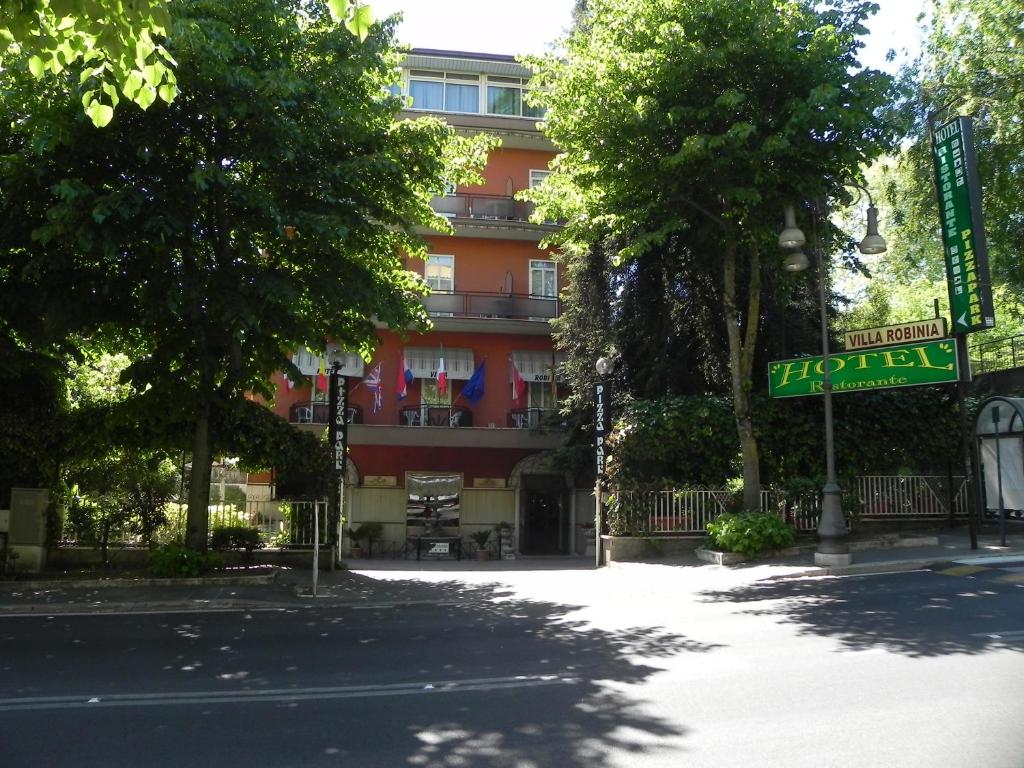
442, 377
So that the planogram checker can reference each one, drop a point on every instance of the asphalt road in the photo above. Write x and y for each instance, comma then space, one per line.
631, 666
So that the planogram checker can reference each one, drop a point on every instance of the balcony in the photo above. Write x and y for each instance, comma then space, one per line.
506, 306
493, 216
532, 418
490, 207
435, 416
319, 413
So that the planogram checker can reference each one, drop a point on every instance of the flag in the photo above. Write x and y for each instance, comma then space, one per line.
442, 377
554, 381
375, 385
321, 376
474, 388
518, 385
403, 379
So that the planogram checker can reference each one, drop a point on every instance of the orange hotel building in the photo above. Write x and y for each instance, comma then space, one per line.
438, 461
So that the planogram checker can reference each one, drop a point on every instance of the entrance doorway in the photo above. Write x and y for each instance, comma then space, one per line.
545, 516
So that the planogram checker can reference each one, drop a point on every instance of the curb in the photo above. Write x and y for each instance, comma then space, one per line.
894, 566
199, 581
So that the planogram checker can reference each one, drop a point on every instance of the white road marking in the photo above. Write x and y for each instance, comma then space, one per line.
282, 695
1011, 634
990, 560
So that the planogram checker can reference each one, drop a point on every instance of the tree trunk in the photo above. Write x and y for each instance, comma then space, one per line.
198, 518
741, 360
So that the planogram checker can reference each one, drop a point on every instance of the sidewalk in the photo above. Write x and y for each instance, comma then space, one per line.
377, 583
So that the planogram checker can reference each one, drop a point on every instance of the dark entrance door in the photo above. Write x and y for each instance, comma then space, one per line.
545, 529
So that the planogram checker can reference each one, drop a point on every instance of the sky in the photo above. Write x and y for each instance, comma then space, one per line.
530, 26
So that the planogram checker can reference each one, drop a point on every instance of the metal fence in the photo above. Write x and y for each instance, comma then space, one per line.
877, 497
281, 523
997, 354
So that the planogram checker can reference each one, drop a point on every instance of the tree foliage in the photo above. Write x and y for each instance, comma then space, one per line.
684, 129
972, 64
263, 209
115, 44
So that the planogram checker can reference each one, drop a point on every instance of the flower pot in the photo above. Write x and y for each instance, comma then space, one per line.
483, 554
356, 553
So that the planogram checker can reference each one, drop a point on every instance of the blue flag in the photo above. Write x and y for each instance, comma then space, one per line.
474, 388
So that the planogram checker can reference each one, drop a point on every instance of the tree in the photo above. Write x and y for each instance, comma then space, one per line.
115, 44
972, 64
689, 126
264, 208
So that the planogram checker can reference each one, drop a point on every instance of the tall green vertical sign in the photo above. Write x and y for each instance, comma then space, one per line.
963, 230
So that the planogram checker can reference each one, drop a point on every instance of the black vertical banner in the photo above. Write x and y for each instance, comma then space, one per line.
338, 427
602, 424
337, 436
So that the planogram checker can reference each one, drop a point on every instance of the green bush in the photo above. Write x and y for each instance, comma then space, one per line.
236, 537
176, 561
749, 533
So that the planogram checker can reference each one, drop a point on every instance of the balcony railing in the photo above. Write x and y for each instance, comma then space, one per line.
435, 416
487, 207
997, 355
319, 413
531, 418
498, 305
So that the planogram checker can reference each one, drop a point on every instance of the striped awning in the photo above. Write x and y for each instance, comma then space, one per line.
536, 365
424, 362
309, 362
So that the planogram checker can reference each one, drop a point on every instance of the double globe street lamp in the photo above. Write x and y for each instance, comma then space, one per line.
833, 544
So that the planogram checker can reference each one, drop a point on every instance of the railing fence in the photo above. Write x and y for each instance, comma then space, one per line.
879, 497
281, 523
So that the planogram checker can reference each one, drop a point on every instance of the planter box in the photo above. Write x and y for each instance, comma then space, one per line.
625, 549
721, 558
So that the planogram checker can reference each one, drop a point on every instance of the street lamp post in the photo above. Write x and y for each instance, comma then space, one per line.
602, 428
833, 544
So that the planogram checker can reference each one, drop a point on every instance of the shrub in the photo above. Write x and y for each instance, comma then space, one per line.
749, 533
626, 515
236, 537
176, 561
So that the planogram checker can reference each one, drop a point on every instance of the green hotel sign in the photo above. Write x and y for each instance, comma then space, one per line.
963, 229
907, 365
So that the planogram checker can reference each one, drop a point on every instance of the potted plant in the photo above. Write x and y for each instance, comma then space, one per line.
355, 535
368, 532
480, 538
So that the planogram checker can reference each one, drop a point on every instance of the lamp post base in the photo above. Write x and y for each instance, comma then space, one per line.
831, 559
833, 535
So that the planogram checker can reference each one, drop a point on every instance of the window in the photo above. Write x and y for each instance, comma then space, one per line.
543, 282
505, 97
536, 177
430, 395
541, 394
444, 91
503, 100
439, 273
427, 95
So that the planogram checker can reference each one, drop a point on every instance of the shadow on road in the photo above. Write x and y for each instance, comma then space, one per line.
572, 709
916, 614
